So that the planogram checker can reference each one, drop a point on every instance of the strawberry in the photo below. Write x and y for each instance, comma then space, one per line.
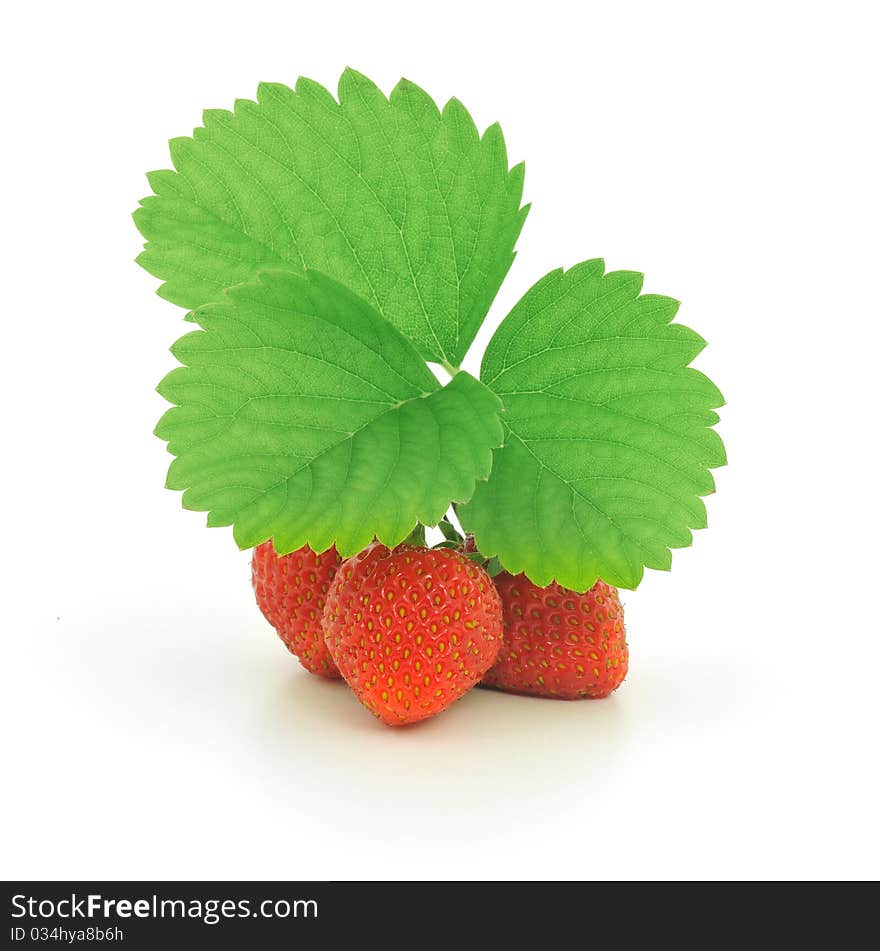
411, 629
291, 590
558, 643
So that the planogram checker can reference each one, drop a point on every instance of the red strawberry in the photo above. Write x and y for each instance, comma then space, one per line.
558, 643
411, 629
291, 590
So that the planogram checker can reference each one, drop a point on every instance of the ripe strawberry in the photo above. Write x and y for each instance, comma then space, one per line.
291, 590
411, 629
558, 643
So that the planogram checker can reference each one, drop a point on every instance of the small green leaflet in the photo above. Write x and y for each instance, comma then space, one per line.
301, 415
608, 441
402, 202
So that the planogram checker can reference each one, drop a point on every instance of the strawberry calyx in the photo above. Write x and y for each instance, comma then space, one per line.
492, 566
416, 538
452, 538
468, 547
450, 532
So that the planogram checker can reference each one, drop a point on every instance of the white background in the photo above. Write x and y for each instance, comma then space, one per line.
156, 727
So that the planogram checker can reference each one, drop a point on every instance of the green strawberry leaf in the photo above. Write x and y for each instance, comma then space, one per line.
608, 441
402, 202
301, 415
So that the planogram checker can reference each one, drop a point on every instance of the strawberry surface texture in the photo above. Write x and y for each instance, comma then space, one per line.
558, 643
291, 591
411, 629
